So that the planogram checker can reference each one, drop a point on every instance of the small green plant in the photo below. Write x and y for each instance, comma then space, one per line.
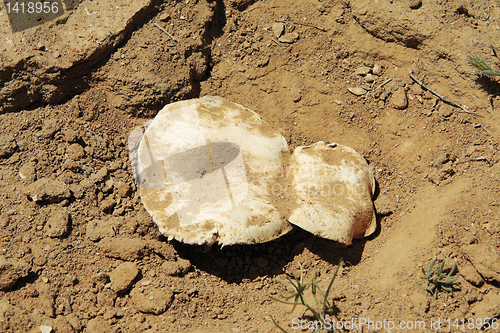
482, 65
319, 309
437, 279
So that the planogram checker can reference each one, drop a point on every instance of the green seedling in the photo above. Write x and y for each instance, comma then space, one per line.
320, 308
482, 65
437, 279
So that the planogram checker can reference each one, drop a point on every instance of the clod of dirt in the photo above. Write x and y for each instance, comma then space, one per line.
28, 171
123, 189
98, 229
470, 274
47, 189
74, 321
4, 220
393, 22
385, 204
7, 146
99, 325
57, 224
40, 67
331, 192
176, 268
289, 38
240, 4
107, 205
415, 4
123, 276
398, 99
11, 271
436, 176
485, 259
198, 64
70, 135
278, 29
75, 152
369, 78
488, 307
152, 300
49, 128
445, 110
128, 249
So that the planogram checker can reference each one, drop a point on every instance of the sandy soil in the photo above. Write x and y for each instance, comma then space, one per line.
81, 254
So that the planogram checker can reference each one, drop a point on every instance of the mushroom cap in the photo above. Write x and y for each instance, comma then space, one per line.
204, 168
331, 192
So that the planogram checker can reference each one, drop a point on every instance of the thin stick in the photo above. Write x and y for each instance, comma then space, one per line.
480, 125
165, 31
441, 97
309, 25
382, 84
482, 158
487, 17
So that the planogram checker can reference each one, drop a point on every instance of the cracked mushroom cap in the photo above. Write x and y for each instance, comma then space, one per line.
331, 189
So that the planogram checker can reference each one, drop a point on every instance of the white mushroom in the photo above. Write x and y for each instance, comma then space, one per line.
204, 167
331, 190
211, 171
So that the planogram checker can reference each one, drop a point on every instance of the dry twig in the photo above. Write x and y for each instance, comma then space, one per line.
441, 97
487, 17
165, 31
480, 125
382, 84
308, 25
482, 158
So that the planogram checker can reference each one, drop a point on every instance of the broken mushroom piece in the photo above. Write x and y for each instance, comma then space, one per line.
331, 189
204, 168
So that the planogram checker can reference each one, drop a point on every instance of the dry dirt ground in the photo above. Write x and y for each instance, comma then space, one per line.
79, 253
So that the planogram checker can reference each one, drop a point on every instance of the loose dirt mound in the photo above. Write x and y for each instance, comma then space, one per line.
80, 253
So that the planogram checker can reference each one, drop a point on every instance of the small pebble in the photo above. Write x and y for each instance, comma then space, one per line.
70, 135
152, 300
7, 146
369, 78
399, 100
445, 110
28, 171
123, 276
415, 4
57, 224
47, 189
289, 38
11, 271
363, 70
278, 29
295, 92
4, 220
75, 151
357, 91
377, 69
45, 329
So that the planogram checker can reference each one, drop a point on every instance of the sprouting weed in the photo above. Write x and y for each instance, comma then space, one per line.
320, 308
436, 279
482, 65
